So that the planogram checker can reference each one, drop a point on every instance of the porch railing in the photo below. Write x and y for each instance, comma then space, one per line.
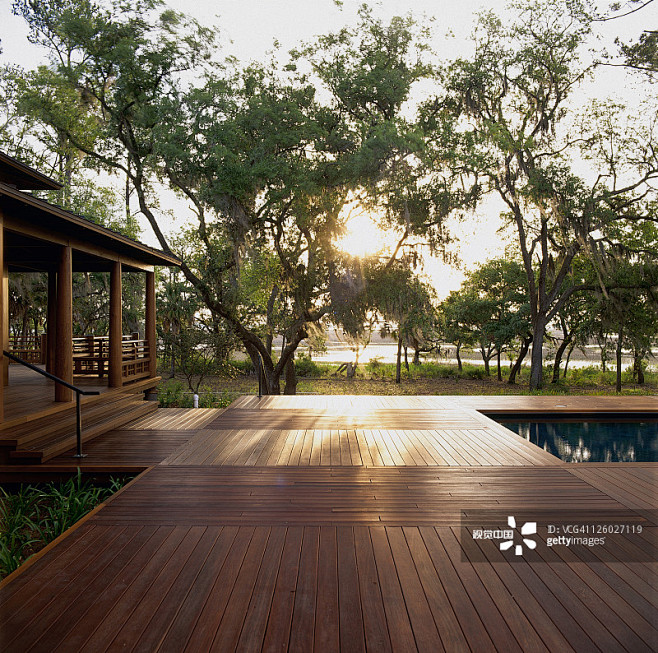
29, 348
91, 355
136, 362
78, 393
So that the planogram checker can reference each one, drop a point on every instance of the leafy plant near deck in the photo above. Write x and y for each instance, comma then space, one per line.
35, 515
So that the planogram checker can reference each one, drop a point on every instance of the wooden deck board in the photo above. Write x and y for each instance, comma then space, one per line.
332, 447
287, 495
326, 524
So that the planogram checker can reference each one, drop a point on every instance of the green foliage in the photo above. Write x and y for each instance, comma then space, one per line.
244, 367
438, 371
268, 193
211, 399
491, 309
271, 158
522, 139
306, 367
34, 515
170, 393
376, 369
374, 366
643, 54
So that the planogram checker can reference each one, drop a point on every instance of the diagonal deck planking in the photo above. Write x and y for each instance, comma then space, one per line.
332, 523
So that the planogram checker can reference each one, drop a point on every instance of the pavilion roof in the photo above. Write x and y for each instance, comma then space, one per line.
43, 214
15, 173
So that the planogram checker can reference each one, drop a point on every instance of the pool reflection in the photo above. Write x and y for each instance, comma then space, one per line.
578, 442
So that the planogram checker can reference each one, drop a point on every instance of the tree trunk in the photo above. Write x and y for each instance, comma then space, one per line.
500, 374
291, 377
25, 328
537, 358
604, 354
459, 360
558, 359
269, 380
525, 345
638, 372
620, 337
566, 363
271, 384
398, 364
172, 359
416, 360
406, 359
485, 359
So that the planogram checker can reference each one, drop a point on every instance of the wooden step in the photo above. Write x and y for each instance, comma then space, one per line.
89, 426
9, 424
62, 423
46, 448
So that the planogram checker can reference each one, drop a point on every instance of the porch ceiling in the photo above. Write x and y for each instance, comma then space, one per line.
27, 254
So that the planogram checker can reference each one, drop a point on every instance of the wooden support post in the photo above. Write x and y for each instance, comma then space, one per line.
116, 345
4, 300
51, 345
149, 327
64, 349
5, 321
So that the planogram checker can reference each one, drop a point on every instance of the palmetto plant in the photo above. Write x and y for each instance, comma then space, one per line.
34, 515
17, 512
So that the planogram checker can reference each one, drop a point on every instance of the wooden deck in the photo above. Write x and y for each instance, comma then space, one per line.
29, 392
331, 523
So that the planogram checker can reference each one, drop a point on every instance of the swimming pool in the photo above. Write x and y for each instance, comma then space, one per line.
590, 440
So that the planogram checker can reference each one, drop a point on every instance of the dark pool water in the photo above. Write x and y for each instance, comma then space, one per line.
592, 441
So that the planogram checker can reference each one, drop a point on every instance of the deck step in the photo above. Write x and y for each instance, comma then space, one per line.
46, 448
12, 425
62, 423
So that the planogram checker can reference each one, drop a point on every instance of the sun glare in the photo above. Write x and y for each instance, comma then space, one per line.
363, 237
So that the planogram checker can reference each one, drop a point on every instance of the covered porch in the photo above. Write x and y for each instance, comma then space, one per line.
39, 237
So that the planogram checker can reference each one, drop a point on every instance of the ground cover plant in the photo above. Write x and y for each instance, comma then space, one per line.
34, 515
430, 378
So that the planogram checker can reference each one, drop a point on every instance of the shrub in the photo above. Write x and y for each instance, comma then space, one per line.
375, 366
304, 366
210, 399
436, 371
170, 393
474, 372
244, 367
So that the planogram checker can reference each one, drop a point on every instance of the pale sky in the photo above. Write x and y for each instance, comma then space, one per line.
248, 29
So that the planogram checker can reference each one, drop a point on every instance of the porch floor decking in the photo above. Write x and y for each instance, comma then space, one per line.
28, 392
329, 523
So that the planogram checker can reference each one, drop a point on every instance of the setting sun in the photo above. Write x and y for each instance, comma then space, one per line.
363, 237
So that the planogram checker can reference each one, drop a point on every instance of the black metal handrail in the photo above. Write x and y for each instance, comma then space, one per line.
78, 392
